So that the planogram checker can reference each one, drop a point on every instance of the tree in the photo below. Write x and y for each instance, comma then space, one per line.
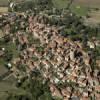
8, 55
69, 4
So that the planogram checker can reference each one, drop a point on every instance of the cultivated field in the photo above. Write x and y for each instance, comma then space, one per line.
3, 9
3, 3
11, 88
3, 6
82, 8
76, 8
88, 3
1, 33
94, 17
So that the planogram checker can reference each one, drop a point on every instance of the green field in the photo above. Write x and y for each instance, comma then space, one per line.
60, 3
79, 10
85, 5
2, 68
80, 7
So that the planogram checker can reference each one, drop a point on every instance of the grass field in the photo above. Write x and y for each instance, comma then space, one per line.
80, 10
80, 7
3, 6
88, 3
76, 8
11, 48
3, 3
2, 68
1, 34
60, 3
3, 9
2, 62
11, 88
85, 3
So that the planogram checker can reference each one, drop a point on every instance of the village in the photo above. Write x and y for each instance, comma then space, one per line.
35, 43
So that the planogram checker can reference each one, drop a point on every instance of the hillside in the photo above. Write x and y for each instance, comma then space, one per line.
49, 53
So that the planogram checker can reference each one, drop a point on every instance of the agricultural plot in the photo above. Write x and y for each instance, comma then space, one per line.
3, 6
2, 68
10, 47
3, 9
60, 3
88, 3
76, 8
82, 8
3, 3
4, 86
1, 34
7, 86
94, 18
3, 96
